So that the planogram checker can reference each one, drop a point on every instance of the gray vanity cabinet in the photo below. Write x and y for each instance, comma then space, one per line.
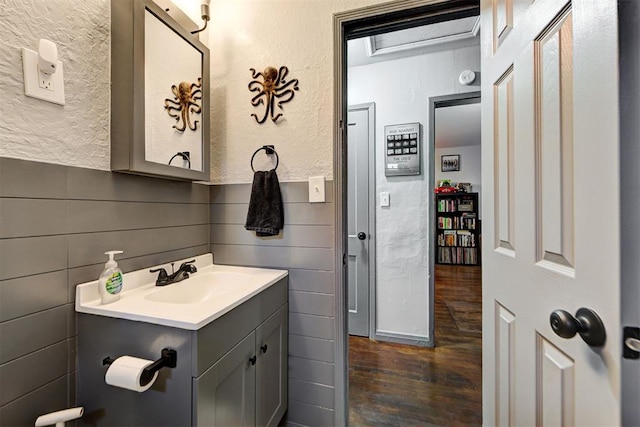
216, 381
248, 385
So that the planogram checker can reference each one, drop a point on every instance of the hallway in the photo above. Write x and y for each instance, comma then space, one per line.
395, 384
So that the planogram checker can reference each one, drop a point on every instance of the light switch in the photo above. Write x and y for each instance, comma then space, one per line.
384, 199
316, 189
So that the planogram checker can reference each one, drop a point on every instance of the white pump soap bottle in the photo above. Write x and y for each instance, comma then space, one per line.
110, 281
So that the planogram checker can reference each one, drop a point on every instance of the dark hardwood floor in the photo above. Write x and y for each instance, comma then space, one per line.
402, 385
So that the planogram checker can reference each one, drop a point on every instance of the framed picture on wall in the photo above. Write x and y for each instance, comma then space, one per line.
450, 163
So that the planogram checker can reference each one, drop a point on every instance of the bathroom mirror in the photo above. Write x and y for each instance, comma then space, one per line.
159, 94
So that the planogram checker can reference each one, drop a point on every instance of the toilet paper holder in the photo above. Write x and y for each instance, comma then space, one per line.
168, 359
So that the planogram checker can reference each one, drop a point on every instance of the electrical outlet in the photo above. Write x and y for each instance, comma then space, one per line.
39, 85
45, 81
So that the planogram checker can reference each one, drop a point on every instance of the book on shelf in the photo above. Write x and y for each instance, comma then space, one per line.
466, 239
446, 205
468, 221
450, 238
445, 223
465, 206
457, 255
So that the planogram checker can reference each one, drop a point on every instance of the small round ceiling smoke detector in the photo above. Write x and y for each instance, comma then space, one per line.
467, 77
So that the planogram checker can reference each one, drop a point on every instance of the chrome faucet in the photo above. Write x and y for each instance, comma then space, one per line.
183, 272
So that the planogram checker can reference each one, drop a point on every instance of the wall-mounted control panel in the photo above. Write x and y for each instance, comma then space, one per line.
402, 149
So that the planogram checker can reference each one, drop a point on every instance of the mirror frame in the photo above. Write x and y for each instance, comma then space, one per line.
128, 92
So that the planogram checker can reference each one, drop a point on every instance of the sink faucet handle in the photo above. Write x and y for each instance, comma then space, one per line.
162, 273
163, 277
188, 266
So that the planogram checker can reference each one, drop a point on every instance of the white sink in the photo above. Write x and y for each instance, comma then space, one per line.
190, 304
200, 288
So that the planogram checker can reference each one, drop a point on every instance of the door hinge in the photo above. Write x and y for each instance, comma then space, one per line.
630, 343
344, 259
341, 124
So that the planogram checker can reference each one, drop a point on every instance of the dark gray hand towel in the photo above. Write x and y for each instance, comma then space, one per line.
266, 213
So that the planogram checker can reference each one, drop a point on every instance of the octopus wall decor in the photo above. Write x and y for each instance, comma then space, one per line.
184, 103
273, 86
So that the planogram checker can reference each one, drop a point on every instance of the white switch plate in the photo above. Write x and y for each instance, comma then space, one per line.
384, 199
39, 85
316, 189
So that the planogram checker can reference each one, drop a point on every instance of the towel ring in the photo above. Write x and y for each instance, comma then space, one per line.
269, 149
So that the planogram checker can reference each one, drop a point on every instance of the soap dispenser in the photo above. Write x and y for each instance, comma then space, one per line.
110, 281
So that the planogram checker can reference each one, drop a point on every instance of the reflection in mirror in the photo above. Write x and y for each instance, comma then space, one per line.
173, 97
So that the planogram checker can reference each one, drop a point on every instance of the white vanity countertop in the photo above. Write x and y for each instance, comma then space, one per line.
190, 304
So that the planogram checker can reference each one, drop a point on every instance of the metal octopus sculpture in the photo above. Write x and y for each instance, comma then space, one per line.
273, 87
185, 102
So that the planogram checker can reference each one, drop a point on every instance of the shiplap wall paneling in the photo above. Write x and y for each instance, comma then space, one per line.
55, 224
305, 248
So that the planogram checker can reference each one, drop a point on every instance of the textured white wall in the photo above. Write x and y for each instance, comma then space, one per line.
242, 34
76, 134
256, 34
401, 89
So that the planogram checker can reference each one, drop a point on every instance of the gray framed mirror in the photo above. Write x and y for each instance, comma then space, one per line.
159, 94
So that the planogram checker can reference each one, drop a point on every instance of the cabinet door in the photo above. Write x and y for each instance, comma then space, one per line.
271, 368
224, 395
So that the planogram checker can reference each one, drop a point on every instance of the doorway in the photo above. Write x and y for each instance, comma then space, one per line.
527, 122
455, 131
405, 263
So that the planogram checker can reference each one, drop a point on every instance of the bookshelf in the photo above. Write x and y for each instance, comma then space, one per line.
457, 229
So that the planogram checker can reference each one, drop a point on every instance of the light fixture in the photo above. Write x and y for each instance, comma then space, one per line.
204, 8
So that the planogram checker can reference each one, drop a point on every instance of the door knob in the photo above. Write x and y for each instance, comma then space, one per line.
362, 235
586, 323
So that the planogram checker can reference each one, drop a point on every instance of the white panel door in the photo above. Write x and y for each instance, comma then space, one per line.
358, 220
551, 207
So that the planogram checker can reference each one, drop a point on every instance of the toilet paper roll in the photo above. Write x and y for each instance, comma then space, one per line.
125, 372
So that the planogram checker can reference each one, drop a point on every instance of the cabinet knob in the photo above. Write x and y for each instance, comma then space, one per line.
264, 348
252, 360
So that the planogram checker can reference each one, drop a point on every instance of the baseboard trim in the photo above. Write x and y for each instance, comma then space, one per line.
416, 340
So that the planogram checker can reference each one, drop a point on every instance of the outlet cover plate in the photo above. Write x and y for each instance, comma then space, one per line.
32, 75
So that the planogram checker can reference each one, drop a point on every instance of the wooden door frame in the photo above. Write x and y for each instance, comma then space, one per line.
370, 107
461, 98
353, 24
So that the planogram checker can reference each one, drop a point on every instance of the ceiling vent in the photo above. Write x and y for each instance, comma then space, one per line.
428, 35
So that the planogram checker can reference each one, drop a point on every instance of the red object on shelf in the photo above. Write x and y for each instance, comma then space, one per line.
446, 190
